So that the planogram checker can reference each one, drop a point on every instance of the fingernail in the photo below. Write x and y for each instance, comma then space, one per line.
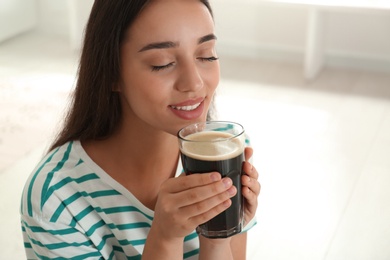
232, 191
215, 176
227, 182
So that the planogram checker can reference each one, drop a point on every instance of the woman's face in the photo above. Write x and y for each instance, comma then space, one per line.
169, 66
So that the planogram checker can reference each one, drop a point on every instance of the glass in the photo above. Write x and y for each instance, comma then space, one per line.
216, 146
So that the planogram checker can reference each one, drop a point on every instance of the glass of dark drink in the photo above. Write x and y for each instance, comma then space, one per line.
216, 146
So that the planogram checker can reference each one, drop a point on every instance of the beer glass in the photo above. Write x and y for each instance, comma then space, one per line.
216, 146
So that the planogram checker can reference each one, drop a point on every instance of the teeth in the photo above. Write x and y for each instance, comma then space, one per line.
187, 108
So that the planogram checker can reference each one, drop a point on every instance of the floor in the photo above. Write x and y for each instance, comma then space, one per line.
322, 147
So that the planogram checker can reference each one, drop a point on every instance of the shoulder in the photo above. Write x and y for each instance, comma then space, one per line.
48, 181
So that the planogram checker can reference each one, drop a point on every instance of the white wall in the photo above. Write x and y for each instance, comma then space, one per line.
253, 31
246, 29
16, 16
358, 37
53, 17
78, 18
355, 39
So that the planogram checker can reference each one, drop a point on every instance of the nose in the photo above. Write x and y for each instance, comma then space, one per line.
189, 78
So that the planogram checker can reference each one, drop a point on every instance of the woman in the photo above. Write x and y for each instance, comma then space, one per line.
106, 190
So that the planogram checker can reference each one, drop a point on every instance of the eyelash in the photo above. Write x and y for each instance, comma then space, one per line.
210, 59
158, 68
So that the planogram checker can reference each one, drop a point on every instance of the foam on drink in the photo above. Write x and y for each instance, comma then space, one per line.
212, 146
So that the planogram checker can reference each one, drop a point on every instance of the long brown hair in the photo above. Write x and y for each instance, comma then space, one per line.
95, 109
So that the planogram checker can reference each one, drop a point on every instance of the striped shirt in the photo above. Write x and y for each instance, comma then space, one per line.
72, 209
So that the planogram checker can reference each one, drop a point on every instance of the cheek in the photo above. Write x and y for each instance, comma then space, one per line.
212, 78
149, 91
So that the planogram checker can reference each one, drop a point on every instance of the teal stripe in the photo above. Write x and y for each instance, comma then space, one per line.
191, 253
228, 127
120, 249
137, 257
80, 162
50, 175
111, 256
63, 205
80, 257
82, 214
104, 193
29, 192
138, 242
94, 227
103, 242
95, 194
62, 183
132, 225
61, 245
73, 222
124, 209
27, 245
191, 236
90, 209
37, 229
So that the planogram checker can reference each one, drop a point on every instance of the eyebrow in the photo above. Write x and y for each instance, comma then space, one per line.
207, 38
158, 45
170, 44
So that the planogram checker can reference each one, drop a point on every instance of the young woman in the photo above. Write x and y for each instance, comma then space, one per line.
111, 186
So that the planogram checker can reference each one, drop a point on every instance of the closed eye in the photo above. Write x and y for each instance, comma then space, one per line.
162, 67
210, 59
166, 66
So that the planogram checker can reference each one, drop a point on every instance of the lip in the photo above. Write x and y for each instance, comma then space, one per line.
189, 102
189, 109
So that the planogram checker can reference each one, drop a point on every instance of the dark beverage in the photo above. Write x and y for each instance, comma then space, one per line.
217, 151
231, 168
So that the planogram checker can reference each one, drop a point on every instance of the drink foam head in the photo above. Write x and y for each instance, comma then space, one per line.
212, 146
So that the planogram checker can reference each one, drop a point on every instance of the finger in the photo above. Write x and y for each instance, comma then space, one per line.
250, 201
201, 193
248, 153
250, 170
251, 183
211, 203
207, 215
186, 182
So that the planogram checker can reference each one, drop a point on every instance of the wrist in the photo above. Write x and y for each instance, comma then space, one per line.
214, 249
160, 247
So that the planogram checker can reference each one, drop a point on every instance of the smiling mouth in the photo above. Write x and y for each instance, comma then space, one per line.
187, 108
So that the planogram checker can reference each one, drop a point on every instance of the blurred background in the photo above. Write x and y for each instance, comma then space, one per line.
309, 80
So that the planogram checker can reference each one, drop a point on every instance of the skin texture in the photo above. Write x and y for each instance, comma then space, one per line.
168, 60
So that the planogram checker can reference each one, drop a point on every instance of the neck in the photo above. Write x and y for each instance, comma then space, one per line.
148, 152
138, 157
137, 149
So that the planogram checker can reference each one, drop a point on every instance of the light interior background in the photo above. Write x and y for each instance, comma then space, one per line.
322, 145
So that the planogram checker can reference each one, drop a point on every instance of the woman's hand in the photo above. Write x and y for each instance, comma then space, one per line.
250, 187
185, 202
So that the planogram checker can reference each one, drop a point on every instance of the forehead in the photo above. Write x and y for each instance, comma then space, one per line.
171, 20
